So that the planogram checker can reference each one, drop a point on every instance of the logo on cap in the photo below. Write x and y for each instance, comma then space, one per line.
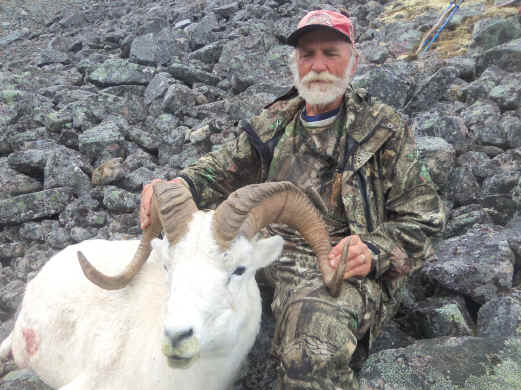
319, 18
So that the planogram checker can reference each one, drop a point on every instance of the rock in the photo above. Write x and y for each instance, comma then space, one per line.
432, 90
157, 87
500, 317
120, 201
208, 54
14, 36
31, 162
143, 50
511, 126
497, 195
202, 32
508, 94
48, 231
178, 99
62, 171
506, 56
28, 207
386, 82
392, 337
22, 379
135, 180
451, 128
446, 363
492, 32
51, 56
438, 317
483, 118
478, 264
464, 186
11, 295
103, 140
438, 156
190, 75
120, 72
13, 183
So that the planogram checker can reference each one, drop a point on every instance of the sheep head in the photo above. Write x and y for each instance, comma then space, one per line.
211, 259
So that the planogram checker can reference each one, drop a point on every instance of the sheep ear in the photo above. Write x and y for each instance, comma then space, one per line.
267, 250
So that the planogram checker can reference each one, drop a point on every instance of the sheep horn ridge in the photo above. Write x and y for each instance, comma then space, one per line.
251, 208
171, 211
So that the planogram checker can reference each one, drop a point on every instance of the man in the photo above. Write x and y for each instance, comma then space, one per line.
357, 162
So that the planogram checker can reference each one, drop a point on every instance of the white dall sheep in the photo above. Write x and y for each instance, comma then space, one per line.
187, 328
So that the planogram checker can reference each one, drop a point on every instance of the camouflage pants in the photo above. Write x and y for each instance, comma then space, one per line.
316, 335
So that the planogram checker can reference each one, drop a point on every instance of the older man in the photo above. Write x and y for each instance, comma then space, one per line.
357, 162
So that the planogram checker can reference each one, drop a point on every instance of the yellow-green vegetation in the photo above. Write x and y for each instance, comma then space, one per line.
450, 43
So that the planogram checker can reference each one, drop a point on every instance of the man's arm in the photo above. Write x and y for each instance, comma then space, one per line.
413, 208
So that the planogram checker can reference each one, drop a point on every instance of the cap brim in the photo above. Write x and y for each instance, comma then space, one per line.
292, 40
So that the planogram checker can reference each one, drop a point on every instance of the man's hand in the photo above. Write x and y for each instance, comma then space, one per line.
146, 202
358, 257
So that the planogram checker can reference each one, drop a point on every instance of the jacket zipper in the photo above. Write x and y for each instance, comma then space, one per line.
367, 212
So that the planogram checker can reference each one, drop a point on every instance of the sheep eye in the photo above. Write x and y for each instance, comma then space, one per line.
239, 270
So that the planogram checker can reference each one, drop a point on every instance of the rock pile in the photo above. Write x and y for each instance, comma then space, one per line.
99, 97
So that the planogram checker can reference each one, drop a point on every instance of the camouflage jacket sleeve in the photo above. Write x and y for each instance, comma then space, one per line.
413, 211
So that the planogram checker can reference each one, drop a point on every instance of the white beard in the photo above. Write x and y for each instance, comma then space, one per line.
325, 92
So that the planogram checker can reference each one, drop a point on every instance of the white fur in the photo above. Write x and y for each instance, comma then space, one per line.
89, 338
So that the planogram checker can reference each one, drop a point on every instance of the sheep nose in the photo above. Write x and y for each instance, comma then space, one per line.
177, 336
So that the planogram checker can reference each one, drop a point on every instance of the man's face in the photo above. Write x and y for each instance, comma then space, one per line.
323, 67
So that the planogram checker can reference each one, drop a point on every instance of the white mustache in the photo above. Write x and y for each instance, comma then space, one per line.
313, 76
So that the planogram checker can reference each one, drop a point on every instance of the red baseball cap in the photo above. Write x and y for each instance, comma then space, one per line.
326, 20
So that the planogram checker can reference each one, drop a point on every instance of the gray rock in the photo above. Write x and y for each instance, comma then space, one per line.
157, 87
28, 207
506, 56
11, 295
202, 32
61, 171
438, 156
146, 140
492, 32
511, 125
11, 251
478, 264
143, 50
120, 72
508, 94
480, 88
190, 75
104, 139
178, 99
451, 128
391, 337
48, 231
187, 156
120, 201
31, 162
446, 363
466, 67
432, 90
13, 183
14, 36
497, 195
22, 379
83, 212
51, 56
208, 54
135, 180
464, 188
386, 82
483, 119
438, 317
500, 317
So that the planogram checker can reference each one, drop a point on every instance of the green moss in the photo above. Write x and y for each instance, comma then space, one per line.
506, 375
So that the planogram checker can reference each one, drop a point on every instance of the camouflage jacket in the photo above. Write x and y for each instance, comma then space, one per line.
387, 193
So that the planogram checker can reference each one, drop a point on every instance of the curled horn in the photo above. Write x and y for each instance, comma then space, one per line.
251, 208
171, 211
